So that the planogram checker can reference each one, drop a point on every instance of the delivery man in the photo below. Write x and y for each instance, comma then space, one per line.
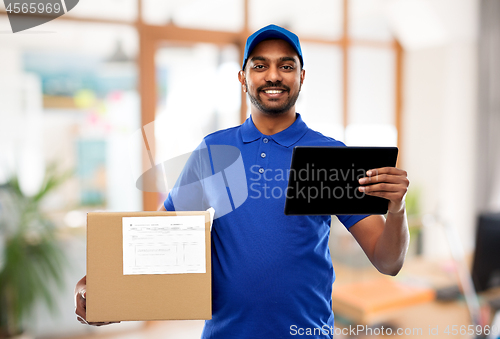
273, 273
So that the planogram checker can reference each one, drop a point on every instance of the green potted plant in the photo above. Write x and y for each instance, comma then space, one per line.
31, 258
414, 221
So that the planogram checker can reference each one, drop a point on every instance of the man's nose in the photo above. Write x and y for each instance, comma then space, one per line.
273, 74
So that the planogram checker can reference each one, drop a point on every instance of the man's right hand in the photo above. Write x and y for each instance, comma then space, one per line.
81, 304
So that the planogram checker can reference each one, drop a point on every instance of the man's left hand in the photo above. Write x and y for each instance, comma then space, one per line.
387, 182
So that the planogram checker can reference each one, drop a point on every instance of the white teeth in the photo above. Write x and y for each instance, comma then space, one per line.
273, 91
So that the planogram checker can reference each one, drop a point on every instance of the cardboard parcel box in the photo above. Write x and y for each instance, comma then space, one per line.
148, 266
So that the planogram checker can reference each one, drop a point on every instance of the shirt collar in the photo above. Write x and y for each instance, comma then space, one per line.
285, 138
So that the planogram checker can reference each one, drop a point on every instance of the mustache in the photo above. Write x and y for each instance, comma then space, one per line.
270, 85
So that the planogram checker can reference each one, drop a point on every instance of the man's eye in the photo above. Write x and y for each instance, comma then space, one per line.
288, 68
258, 66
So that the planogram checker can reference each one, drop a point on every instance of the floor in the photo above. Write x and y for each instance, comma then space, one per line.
428, 320
173, 329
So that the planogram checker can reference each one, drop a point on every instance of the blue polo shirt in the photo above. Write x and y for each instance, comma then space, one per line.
272, 274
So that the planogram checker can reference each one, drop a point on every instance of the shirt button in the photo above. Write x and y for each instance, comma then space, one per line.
261, 170
263, 155
265, 140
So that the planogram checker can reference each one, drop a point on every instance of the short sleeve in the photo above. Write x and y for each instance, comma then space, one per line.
168, 204
350, 220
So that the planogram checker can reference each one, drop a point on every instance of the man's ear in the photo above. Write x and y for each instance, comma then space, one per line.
241, 78
302, 76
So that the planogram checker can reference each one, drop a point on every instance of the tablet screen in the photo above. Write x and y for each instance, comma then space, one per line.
324, 180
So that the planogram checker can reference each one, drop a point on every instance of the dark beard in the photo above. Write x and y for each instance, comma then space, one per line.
277, 110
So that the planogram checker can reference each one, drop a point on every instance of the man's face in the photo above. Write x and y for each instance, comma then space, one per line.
273, 77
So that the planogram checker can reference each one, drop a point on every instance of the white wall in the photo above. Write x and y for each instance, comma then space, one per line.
440, 116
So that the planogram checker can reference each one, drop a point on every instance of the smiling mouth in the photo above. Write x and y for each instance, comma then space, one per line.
273, 91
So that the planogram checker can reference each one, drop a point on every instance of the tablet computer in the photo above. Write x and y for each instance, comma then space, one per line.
324, 180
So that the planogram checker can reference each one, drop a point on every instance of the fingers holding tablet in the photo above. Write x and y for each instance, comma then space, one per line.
390, 183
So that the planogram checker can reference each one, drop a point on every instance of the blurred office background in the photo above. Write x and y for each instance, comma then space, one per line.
116, 86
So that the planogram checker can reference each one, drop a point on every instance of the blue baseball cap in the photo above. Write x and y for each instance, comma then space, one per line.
272, 32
